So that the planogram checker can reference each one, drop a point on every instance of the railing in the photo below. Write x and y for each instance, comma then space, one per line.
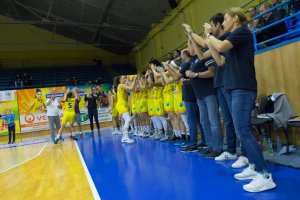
291, 32
47, 62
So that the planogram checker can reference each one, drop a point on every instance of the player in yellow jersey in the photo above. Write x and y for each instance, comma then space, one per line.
37, 105
143, 106
113, 109
159, 105
122, 104
69, 113
133, 105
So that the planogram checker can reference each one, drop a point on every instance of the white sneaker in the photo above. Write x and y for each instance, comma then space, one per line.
136, 133
120, 132
126, 139
226, 156
154, 135
260, 183
241, 162
248, 173
158, 136
165, 138
115, 132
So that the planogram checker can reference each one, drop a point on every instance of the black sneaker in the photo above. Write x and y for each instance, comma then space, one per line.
213, 154
73, 137
205, 152
202, 146
189, 149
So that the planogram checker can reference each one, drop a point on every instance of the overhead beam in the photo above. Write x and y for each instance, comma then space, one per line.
103, 17
49, 8
15, 9
28, 9
72, 23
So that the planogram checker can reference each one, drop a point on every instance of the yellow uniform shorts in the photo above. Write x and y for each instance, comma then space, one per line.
168, 103
122, 107
150, 106
143, 105
179, 106
159, 107
68, 117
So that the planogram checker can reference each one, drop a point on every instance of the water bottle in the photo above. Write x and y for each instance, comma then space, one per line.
278, 144
265, 144
270, 147
265, 141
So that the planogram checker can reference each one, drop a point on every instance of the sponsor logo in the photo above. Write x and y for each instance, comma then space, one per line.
29, 118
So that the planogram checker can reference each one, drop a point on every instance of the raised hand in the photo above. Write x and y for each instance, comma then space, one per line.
207, 29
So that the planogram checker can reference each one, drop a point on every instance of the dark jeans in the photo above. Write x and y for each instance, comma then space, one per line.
224, 98
191, 113
93, 113
193, 120
242, 103
210, 121
11, 131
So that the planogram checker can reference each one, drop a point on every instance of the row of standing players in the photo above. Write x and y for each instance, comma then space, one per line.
217, 69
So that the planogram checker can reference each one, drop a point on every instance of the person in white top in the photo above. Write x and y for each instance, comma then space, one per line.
53, 105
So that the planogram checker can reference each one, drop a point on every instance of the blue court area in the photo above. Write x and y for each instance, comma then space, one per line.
152, 170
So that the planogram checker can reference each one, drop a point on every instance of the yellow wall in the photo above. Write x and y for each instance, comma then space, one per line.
169, 34
27, 42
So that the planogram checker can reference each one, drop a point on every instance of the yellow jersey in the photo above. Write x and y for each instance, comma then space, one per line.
70, 105
121, 94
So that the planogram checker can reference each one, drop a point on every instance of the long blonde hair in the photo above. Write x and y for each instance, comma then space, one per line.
237, 11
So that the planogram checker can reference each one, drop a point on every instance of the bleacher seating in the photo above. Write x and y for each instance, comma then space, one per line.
56, 76
47, 77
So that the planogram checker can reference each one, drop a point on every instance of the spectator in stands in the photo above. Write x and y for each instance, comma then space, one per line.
19, 81
295, 6
252, 13
26, 79
75, 81
89, 83
68, 82
176, 54
169, 56
267, 19
280, 12
98, 81
29, 79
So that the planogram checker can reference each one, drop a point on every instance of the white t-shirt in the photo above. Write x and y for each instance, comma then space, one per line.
52, 108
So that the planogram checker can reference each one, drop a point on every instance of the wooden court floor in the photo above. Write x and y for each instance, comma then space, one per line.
43, 171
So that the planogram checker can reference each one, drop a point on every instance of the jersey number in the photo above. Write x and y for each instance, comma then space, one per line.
69, 105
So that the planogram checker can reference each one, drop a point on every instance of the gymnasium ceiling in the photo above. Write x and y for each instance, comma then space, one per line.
113, 25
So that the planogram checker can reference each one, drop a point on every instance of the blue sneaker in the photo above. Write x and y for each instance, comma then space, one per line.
61, 138
53, 140
179, 143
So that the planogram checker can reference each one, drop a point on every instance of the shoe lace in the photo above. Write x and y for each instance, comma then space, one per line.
256, 181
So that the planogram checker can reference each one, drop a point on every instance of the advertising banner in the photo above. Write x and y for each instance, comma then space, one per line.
8, 104
32, 109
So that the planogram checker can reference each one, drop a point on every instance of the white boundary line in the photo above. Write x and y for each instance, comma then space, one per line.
88, 175
25, 160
